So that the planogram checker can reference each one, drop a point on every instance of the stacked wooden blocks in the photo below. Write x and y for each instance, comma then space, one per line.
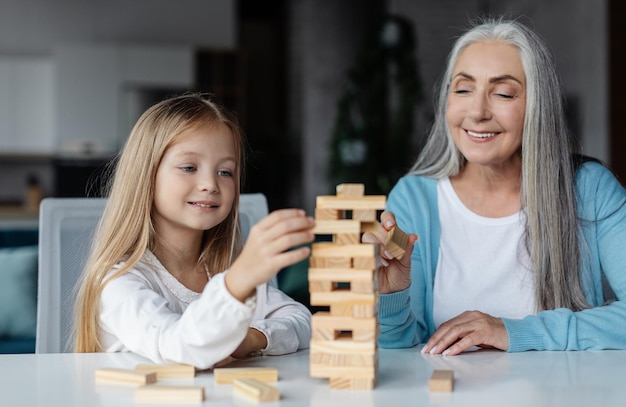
343, 277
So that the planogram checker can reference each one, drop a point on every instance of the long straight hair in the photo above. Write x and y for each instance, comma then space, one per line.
126, 229
552, 228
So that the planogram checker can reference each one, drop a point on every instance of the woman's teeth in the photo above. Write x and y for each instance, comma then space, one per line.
480, 135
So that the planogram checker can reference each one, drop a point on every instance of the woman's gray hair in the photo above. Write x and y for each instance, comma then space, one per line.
547, 184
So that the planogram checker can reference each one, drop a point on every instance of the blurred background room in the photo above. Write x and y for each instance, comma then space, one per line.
75, 75
327, 91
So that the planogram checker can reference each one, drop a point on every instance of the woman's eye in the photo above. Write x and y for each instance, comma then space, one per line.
505, 96
461, 91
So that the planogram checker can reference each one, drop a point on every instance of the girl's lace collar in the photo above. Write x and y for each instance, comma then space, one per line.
177, 289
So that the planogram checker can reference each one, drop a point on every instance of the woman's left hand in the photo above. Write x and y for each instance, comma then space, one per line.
471, 328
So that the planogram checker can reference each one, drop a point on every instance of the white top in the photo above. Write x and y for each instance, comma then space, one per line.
149, 312
483, 264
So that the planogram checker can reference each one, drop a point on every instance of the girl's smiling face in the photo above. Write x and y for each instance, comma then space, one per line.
196, 183
487, 104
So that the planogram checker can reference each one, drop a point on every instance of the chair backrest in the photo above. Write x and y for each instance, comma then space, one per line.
66, 227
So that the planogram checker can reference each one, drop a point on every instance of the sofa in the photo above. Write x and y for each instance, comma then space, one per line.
18, 290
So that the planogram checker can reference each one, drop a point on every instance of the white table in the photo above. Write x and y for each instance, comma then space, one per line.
482, 379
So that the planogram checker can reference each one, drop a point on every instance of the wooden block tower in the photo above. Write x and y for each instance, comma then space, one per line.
343, 276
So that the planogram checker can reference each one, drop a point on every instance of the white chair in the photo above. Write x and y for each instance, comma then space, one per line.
66, 227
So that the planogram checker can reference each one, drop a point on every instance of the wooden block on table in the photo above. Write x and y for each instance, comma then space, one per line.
369, 371
375, 202
170, 370
125, 376
169, 394
351, 383
255, 390
396, 242
441, 381
226, 375
349, 189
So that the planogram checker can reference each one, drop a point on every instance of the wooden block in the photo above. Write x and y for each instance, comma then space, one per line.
396, 242
325, 249
342, 359
345, 347
351, 383
343, 297
441, 381
330, 227
256, 390
169, 394
125, 376
315, 286
350, 189
369, 371
362, 310
324, 320
351, 203
327, 214
354, 310
370, 227
326, 279
368, 262
347, 238
341, 274
226, 375
364, 215
363, 372
330, 262
171, 370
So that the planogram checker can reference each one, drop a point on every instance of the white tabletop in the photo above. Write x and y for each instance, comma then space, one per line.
482, 378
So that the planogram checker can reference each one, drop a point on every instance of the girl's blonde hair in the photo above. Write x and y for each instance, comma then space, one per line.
126, 229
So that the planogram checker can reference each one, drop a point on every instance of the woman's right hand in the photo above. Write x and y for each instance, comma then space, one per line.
393, 275
270, 248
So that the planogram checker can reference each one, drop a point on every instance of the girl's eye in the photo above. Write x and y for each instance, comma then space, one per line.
225, 173
187, 169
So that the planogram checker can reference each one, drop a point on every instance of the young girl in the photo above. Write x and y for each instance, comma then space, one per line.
168, 277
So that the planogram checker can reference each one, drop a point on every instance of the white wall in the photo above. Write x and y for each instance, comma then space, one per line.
60, 100
36, 26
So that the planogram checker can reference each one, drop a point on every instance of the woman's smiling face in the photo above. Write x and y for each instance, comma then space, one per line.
487, 103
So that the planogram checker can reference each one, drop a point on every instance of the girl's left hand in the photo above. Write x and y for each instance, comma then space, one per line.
254, 340
471, 328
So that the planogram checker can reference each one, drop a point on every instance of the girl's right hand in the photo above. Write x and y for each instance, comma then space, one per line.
393, 275
270, 248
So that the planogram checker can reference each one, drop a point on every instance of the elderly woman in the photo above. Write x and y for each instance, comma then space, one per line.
518, 235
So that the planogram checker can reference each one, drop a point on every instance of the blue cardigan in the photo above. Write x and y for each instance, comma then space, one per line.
406, 317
